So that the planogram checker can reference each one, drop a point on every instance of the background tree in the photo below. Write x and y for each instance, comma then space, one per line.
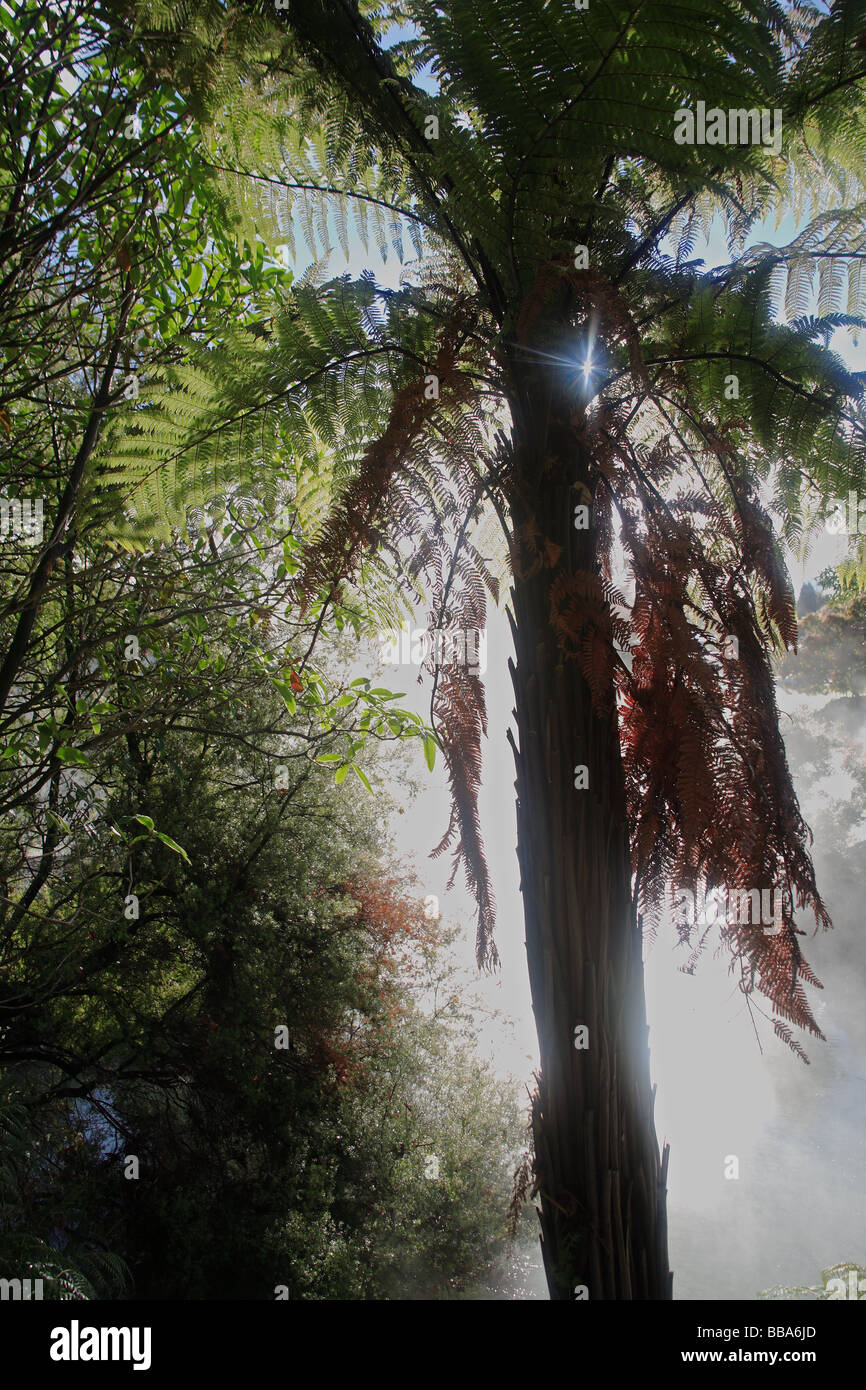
825, 743
221, 1015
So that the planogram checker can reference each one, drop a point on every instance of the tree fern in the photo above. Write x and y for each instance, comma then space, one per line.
565, 136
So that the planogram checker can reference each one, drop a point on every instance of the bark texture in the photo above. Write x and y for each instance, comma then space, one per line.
601, 1180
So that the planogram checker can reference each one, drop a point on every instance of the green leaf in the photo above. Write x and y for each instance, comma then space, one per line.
355, 768
287, 693
195, 278
58, 820
145, 821
430, 750
73, 755
342, 773
172, 844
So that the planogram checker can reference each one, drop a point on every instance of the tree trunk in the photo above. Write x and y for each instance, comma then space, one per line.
601, 1183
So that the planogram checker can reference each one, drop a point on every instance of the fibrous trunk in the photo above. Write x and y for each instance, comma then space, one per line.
600, 1180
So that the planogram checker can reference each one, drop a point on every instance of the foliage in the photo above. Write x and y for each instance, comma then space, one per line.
555, 133
41, 1177
832, 650
117, 260
200, 876
298, 1166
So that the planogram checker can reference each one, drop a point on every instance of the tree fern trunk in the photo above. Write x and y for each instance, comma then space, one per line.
601, 1183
